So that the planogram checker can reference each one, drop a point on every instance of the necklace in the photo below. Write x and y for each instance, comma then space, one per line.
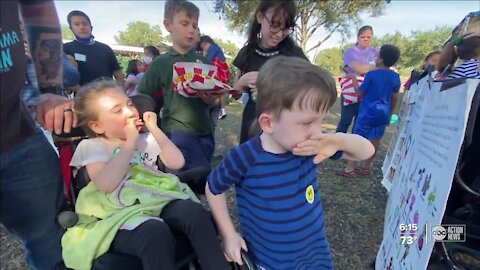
266, 54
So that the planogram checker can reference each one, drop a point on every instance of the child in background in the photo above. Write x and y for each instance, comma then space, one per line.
215, 54
135, 73
125, 213
149, 54
275, 173
186, 121
464, 43
429, 63
379, 92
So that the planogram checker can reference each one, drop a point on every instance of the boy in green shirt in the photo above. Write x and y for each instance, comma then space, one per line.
186, 121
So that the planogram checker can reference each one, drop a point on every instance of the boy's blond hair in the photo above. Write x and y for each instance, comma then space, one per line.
173, 7
284, 80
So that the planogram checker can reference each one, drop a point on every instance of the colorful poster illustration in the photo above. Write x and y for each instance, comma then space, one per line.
424, 161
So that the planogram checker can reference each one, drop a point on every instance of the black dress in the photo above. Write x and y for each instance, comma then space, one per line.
253, 61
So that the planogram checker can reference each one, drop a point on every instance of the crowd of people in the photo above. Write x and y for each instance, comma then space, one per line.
286, 98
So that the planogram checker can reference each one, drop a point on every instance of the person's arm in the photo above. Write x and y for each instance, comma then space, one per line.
238, 94
396, 88
350, 60
209, 99
360, 68
393, 102
151, 81
130, 81
118, 74
232, 241
43, 32
355, 84
108, 175
170, 155
42, 27
228, 173
325, 145
248, 79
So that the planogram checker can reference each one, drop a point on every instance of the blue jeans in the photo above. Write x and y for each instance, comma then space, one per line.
245, 98
32, 195
347, 114
197, 151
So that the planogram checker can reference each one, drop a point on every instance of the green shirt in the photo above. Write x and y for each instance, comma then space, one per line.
179, 112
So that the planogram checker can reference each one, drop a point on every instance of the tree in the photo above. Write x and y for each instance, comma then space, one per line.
331, 15
331, 59
424, 42
140, 34
67, 33
416, 46
228, 47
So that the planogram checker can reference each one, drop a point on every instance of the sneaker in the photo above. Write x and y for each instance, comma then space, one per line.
222, 114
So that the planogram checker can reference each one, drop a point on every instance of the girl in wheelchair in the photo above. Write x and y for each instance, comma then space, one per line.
129, 207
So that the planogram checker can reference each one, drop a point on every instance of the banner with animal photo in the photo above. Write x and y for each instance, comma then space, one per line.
427, 150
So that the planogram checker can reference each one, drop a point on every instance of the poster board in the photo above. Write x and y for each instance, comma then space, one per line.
432, 136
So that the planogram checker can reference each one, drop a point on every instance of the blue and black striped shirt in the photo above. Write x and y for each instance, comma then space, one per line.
278, 205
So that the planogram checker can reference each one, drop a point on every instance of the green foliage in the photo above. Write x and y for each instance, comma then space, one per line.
140, 34
67, 33
331, 59
123, 61
416, 46
228, 47
329, 15
168, 38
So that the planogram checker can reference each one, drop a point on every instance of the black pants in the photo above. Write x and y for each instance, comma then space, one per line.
248, 117
154, 242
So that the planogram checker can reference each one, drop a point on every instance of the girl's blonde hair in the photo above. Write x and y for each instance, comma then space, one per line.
84, 107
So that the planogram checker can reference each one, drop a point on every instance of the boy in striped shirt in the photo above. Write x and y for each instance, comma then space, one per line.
274, 173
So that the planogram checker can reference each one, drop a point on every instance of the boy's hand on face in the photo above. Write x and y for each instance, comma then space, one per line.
150, 120
322, 146
232, 245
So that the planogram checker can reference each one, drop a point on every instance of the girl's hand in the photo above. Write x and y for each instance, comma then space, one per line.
322, 146
131, 129
232, 245
150, 120
248, 79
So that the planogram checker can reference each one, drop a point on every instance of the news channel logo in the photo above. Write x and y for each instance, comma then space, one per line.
449, 233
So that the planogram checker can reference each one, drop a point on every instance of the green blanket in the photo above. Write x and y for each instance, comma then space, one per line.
141, 197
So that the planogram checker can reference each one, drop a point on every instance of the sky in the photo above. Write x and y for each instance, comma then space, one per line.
109, 17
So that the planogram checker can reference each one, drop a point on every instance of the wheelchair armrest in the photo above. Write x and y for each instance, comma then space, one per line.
67, 219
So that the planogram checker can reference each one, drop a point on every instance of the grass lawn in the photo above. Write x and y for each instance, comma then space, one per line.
354, 208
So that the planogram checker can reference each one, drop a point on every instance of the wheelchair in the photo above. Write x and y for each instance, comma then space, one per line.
185, 257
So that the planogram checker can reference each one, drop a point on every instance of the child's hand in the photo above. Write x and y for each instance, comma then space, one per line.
150, 120
248, 79
132, 128
209, 98
322, 146
232, 245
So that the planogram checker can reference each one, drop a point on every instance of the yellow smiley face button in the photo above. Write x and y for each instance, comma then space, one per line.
310, 194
